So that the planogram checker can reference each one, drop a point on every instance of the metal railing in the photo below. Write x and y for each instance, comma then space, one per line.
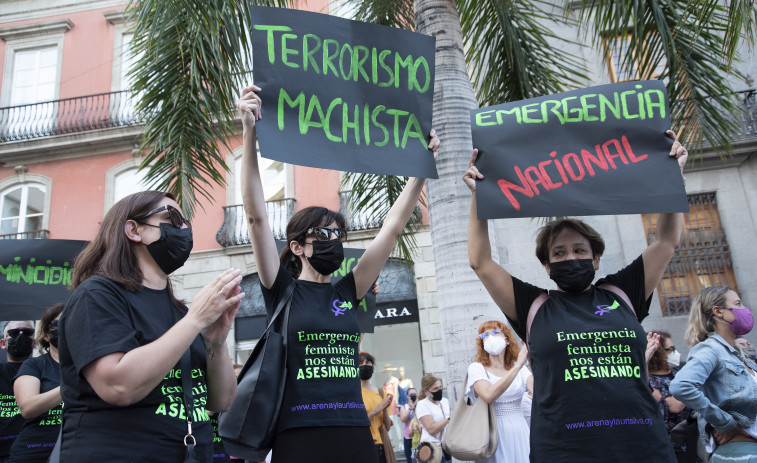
749, 113
69, 115
234, 230
356, 220
30, 235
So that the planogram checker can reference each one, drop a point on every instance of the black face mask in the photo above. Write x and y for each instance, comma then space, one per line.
572, 276
20, 347
366, 372
327, 256
437, 395
172, 249
413, 397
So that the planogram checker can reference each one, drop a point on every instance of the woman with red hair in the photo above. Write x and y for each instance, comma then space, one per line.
498, 377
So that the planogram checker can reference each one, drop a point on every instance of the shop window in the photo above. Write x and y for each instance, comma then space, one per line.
702, 259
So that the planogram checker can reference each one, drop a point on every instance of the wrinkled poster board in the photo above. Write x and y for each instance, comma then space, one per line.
594, 151
343, 95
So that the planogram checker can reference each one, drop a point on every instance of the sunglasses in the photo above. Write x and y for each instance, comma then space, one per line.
324, 233
13, 332
177, 220
487, 333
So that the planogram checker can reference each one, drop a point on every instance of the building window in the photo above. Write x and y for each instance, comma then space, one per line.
22, 211
617, 51
128, 182
702, 259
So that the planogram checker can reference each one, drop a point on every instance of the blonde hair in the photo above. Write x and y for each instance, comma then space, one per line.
701, 320
428, 381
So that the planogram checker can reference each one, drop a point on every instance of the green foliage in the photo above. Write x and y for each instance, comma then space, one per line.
192, 59
684, 41
514, 50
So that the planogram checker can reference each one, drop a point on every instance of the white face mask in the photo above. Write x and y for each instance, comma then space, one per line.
494, 345
674, 358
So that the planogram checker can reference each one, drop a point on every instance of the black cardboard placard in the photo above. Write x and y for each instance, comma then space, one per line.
35, 274
343, 95
594, 151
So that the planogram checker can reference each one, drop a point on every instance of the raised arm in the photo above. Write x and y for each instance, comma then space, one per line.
263, 244
490, 392
495, 278
377, 253
657, 255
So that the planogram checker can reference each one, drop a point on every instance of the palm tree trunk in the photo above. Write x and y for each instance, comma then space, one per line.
462, 300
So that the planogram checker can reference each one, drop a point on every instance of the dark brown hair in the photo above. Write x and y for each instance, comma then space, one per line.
366, 356
511, 351
548, 233
297, 228
111, 254
659, 360
44, 325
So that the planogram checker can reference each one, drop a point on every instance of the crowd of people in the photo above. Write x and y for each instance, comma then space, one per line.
130, 372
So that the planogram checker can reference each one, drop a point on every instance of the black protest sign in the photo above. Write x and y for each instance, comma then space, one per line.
34, 274
343, 95
594, 151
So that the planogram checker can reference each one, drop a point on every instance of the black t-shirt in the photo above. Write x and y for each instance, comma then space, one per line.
102, 318
591, 401
10, 418
323, 382
37, 437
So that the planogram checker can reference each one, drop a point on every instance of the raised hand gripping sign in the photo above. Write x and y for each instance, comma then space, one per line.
594, 151
342, 94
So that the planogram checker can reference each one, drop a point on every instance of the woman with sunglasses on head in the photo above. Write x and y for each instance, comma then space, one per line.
140, 370
498, 377
37, 390
321, 314
717, 380
585, 381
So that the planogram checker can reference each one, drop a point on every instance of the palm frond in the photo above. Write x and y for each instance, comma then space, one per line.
514, 50
393, 13
667, 36
373, 195
193, 56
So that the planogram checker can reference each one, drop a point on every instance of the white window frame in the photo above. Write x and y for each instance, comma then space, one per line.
23, 179
28, 37
120, 28
110, 179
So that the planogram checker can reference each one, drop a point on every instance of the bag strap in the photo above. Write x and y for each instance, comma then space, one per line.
542, 298
185, 365
284, 302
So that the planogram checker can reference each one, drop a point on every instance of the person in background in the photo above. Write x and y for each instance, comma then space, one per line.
433, 412
18, 342
746, 348
717, 381
37, 390
660, 376
499, 377
376, 404
407, 413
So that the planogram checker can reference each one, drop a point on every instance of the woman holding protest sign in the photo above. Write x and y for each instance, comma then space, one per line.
322, 362
587, 347
139, 369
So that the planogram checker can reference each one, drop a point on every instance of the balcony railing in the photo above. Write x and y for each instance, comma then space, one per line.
30, 235
70, 115
234, 230
749, 113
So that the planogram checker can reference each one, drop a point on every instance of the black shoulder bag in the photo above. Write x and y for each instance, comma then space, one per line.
249, 426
